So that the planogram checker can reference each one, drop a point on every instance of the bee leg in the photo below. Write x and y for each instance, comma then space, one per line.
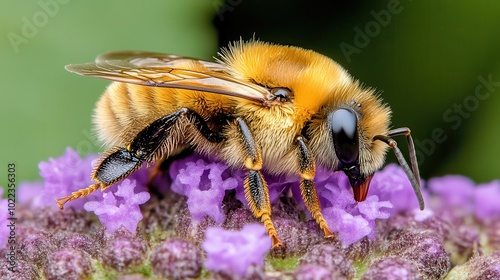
307, 189
123, 161
256, 191
411, 148
74, 195
113, 168
412, 173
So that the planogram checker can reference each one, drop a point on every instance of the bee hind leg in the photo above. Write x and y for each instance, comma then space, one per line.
147, 146
116, 166
307, 188
80, 193
256, 191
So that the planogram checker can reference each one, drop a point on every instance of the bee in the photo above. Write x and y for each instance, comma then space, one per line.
259, 106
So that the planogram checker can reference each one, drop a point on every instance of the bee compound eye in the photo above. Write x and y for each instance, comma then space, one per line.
281, 93
343, 125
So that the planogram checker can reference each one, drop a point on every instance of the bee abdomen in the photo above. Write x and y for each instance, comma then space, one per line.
125, 109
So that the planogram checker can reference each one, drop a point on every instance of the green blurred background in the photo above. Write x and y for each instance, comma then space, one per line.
428, 59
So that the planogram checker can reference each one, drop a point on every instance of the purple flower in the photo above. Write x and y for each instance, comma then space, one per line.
458, 196
67, 264
120, 208
392, 268
478, 267
487, 196
331, 257
24, 270
314, 272
28, 192
204, 183
61, 176
424, 248
392, 184
177, 259
236, 251
454, 191
123, 251
34, 247
349, 219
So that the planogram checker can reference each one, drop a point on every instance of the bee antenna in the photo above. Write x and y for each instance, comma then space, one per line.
412, 173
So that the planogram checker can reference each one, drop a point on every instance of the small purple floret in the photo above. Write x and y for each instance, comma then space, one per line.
61, 176
460, 196
392, 184
204, 183
236, 251
487, 197
349, 219
453, 191
120, 208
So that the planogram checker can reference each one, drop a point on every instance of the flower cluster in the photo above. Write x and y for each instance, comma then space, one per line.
386, 234
457, 196
118, 206
205, 182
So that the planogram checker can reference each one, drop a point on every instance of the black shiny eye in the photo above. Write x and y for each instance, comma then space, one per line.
343, 125
282, 94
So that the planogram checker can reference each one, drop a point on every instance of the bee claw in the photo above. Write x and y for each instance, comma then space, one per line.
276, 243
61, 201
328, 234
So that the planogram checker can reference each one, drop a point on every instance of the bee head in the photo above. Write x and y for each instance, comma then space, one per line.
343, 126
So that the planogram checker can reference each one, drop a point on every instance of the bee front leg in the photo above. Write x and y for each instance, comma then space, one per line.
256, 190
307, 170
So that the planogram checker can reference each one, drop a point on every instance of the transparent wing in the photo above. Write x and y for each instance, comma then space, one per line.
163, 70
140, 58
